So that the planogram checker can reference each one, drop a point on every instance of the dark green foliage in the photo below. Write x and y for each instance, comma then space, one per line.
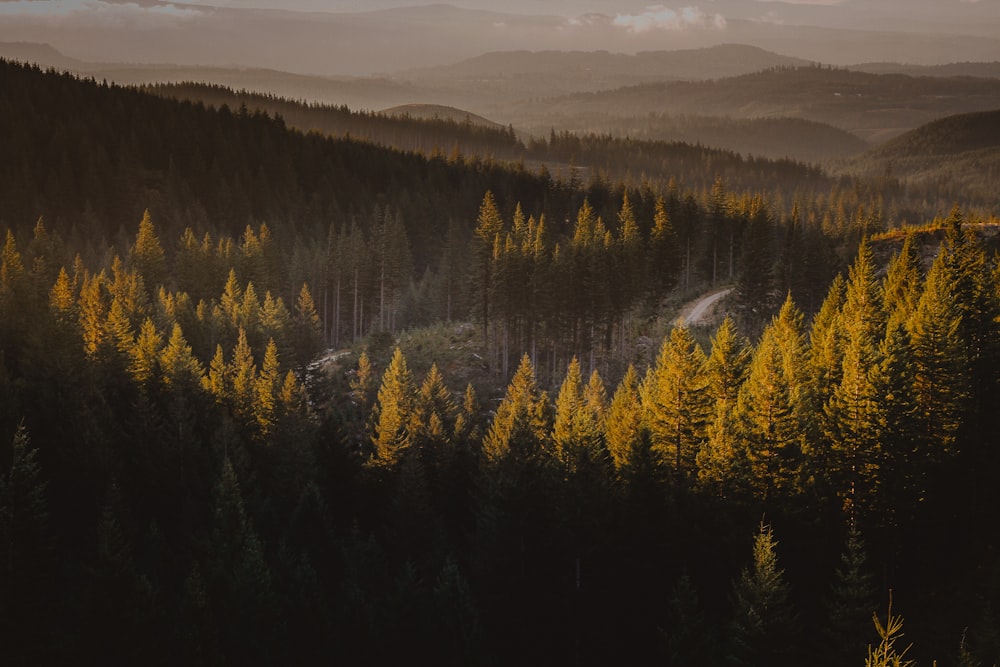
239, 583
686, 637
850, 603
26, 557
765, 627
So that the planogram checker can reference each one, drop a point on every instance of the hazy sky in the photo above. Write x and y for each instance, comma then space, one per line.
363, 36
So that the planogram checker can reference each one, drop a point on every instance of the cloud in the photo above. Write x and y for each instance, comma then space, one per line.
98, 13
659, 17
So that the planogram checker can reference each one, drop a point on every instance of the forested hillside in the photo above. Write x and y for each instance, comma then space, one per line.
957, 155
869, 105
273, 397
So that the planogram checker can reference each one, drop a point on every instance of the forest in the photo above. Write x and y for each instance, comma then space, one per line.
270, 396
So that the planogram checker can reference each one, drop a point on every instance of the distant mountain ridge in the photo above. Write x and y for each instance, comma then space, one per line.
872, 106
42, 54
989, 70
593, 70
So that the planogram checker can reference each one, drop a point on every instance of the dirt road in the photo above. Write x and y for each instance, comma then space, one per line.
697, 311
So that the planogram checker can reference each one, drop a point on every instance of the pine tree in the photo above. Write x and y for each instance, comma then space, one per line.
11, 267
119, 329
886, 654
674, 400
898, 423
13, 294
754, 284
765, 415
489, 224
276, 323
362, 384
686, 638
393, 413
92, 309
180, 367
231, 301
764, 628
25, 557
466, 422
459, 627
217, 381
63, 297
308, 331
144, 357
623, 426
393, 264
726, 369
241, 375
239, 584
434, 410
123, 599
520, 424
852, 598
630, 240
978, 307
791, 339
146, 255
941, 371
248, 318
576, 433
826, 344
266, 390
663, 251
852, 410
903, 278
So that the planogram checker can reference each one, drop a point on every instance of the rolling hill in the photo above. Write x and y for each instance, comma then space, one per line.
439, 112
775, 138
355, 92
875, 107
548, 73
422, 128
957, 155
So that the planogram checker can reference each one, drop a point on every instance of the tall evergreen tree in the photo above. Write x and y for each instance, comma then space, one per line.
941, 371
393, 413
362, 386
489, 224
146, 255
765, 627
674, 399
687, 640
308, 330
520, 424
765, 415
852, 410
623, 426
898, 424
901, 288
826, 344
577, 430
663, 251
240, 584
852, 598
978, 307
25, 557
719, 459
